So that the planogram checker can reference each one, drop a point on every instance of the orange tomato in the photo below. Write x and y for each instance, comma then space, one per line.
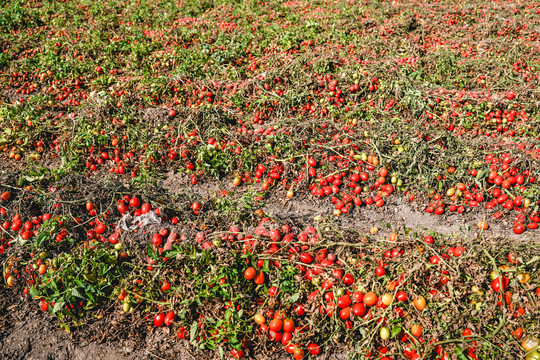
416, 330
370, 299
419, 303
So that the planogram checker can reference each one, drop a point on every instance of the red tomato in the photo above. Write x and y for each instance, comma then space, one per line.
134, 202
343, 301
159, 320
345, 313
357, 296
250, 273
401, 296
496, 284
288, 325
314, 349
359, 309
169, 318
276, 325
145, 208
237, 354
157, 240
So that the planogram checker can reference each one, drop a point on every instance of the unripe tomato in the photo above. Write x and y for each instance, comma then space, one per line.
259, 319
530, 343
387, 299
384, 333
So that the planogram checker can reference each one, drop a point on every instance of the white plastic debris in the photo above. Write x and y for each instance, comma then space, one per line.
131, 223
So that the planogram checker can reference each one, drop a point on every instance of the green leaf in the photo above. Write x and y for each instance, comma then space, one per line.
235, 343
76, 293
460, 353
151, 253
65, 327
395, 331
294, 298
57, 306
193, 331
34, 292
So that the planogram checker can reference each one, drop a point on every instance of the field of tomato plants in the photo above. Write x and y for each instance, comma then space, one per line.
270, 179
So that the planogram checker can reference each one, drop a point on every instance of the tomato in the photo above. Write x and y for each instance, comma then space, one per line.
348, 279
276, 325
343, 301
420, 303
145, 208
166, 286
370, 299
384, 333
157, 240
90, 206
259, 319
42, 269
122, 208
379, 271
45, 306
259, 279
298, 353
386, 299
181, 334
306, 258
286, 338
345, 313
359, 309
496, 284
416, 330
518, 332
288, 325
530, 343
237, 354
159, 320
169, 318
519, 228
314, 349
6, 195
401, 296
357, 296
533, 355
101, 228
250, 273
134, 202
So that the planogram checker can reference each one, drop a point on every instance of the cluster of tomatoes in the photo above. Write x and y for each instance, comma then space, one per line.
504, 185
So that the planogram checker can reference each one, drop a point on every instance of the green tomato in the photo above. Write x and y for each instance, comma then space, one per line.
385, 333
